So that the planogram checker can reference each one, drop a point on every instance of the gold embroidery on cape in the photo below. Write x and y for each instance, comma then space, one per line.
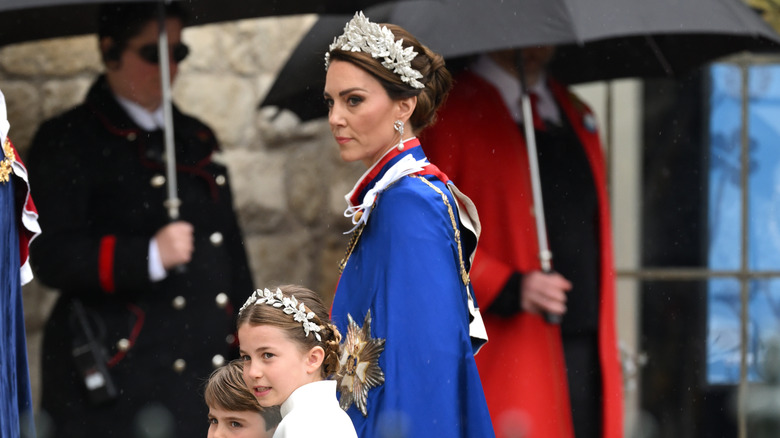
351, 247
5, 166
356, 234
359, 360
359, 365
464, 275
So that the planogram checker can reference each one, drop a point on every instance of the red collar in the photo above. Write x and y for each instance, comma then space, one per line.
374, 171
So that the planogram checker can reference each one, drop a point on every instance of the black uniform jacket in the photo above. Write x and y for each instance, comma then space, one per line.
99, 184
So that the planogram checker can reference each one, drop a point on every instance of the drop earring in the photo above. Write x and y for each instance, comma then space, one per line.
398, 125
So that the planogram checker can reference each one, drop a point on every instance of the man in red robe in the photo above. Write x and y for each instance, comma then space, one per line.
540, 379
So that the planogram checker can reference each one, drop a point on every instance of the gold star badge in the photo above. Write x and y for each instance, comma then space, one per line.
360, 365
5, 164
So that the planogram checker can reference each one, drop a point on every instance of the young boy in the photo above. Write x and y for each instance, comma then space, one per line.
233, 410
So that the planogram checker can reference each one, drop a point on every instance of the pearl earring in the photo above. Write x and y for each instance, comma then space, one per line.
398, 125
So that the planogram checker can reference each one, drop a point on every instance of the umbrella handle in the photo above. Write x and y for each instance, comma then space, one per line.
545, 256
173, 202
552, 318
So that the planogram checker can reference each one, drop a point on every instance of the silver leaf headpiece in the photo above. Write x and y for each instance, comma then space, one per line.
361, 35
290, 306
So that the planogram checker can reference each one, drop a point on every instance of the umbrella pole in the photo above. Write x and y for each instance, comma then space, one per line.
173, 202
545, 255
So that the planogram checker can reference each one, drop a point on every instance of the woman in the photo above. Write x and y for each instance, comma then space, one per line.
403, 301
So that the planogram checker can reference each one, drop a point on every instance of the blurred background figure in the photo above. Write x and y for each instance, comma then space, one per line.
131, 330
540, 379
233, 409
18, 226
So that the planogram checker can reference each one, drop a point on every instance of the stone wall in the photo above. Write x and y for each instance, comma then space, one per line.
288, 179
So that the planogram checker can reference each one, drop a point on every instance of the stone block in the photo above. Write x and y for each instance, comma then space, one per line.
280, 126
255, 219
61, 95
224, 102
342, 180
257, 178
206, 54
330, 252
256, 44
281, 258
59, 57
308, 177
23, 103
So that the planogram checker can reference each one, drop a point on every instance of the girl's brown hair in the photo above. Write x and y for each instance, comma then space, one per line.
262, 314
436, 78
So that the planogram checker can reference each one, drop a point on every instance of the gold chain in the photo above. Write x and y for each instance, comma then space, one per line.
351, 246
463, 274
5, 165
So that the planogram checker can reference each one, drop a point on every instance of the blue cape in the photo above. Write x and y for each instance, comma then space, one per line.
405, 270
16, 401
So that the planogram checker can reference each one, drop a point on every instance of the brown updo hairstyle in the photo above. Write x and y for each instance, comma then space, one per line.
263, 314
436, 78
226, 390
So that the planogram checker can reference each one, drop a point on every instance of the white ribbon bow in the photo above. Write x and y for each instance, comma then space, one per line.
405, 166
5, 126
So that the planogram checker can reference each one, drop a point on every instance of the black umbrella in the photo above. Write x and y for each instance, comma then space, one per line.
27, 20
596, 39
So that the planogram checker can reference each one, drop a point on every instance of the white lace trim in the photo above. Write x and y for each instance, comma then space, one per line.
405, 166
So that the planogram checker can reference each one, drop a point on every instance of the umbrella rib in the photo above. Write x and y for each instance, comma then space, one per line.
659, 55
571, 17
731, 7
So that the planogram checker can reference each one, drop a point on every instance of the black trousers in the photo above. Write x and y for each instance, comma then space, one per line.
584, 375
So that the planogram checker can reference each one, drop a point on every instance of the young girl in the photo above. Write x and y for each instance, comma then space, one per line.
290, 351
233, 410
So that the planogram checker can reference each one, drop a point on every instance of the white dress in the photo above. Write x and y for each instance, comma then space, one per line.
313, 411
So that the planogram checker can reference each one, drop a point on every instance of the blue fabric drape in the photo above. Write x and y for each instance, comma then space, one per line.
16, 417
404, 270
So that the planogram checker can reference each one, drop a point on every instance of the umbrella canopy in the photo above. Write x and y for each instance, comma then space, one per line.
27, 20
597, 39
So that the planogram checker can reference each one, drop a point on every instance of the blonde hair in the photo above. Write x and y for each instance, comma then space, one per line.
262, 314
226, 390
436, 78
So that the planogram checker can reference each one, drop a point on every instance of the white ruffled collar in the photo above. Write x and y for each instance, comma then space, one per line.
311, 394
407, 165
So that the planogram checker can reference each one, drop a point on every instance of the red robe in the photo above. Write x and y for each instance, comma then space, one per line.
26, 212
477, 143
